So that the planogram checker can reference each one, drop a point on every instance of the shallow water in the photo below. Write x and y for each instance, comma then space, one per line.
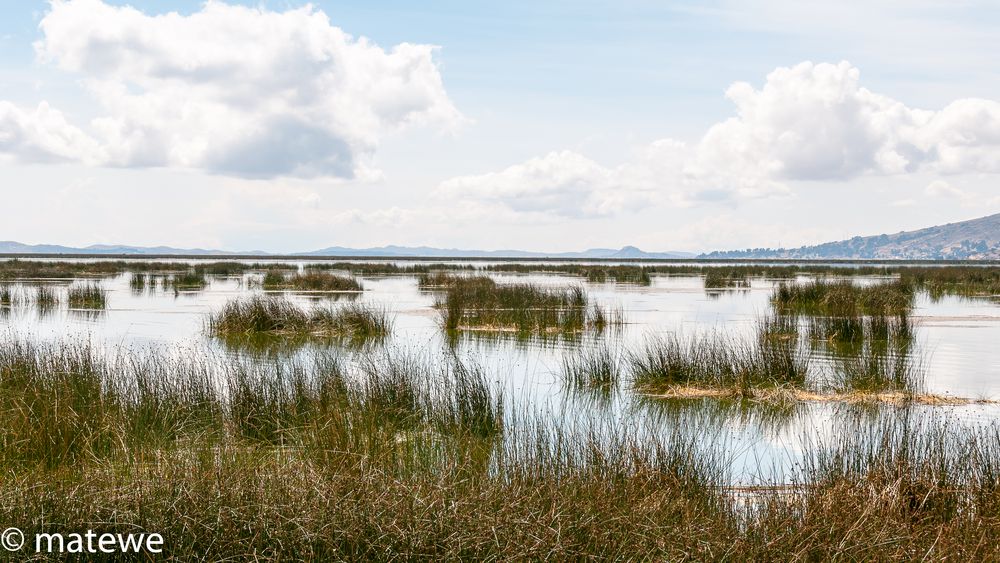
955, 343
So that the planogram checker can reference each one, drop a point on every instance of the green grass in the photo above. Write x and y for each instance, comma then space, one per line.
88, 296
271, 315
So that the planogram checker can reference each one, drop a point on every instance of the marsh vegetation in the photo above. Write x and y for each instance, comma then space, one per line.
277, 316
335, 453
310, 281
793, 419
479, 303
87, 296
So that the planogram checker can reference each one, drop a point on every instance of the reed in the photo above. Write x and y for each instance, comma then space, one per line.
844, 298
717, 362
412, 459
592, 367
390, 268
479, 303
138, 282
189, 280
261, 314
879, 330
8, 296
46, 298
727, 278
88, 296
311, 281
879, 369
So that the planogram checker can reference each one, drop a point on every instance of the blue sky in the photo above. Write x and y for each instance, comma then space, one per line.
539, 125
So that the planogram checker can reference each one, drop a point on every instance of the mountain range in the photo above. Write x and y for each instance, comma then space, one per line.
976, 239
624, 253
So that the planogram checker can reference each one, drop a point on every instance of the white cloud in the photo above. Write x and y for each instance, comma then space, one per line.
560, 182
940, 188
43, 135
227, 89
810, 122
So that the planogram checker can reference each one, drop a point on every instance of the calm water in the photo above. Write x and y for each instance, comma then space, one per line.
956, 344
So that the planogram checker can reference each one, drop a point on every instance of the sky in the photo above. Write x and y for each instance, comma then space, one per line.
550, 126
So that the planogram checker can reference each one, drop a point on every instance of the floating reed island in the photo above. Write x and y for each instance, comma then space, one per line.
399, 456
478, 303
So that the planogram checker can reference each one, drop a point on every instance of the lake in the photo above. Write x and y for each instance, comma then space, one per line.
954, 351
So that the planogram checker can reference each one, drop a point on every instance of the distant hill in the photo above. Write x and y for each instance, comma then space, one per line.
11, 247
626, 253
977, 239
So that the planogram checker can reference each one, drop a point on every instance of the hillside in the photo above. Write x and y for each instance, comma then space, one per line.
976, 239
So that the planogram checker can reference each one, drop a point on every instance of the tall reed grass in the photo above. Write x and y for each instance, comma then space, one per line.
844, 298
262, 314
479, 303
718, 362
408, 459
87, 296
311, 281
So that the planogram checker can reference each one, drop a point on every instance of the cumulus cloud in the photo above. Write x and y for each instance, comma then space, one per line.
228, 89
809, 122
43, 135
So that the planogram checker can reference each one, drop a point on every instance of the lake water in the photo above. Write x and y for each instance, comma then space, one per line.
956, 342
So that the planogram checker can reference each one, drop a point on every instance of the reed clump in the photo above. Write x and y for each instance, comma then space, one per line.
375, 268
46, 298
8, 296
189, 280
88, 296
311, 281
592, 367
479, 303
714, 361
727, 278
844, 298
271, 315
965, 281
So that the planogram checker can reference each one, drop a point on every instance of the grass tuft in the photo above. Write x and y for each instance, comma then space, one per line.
89, 296
262, 314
